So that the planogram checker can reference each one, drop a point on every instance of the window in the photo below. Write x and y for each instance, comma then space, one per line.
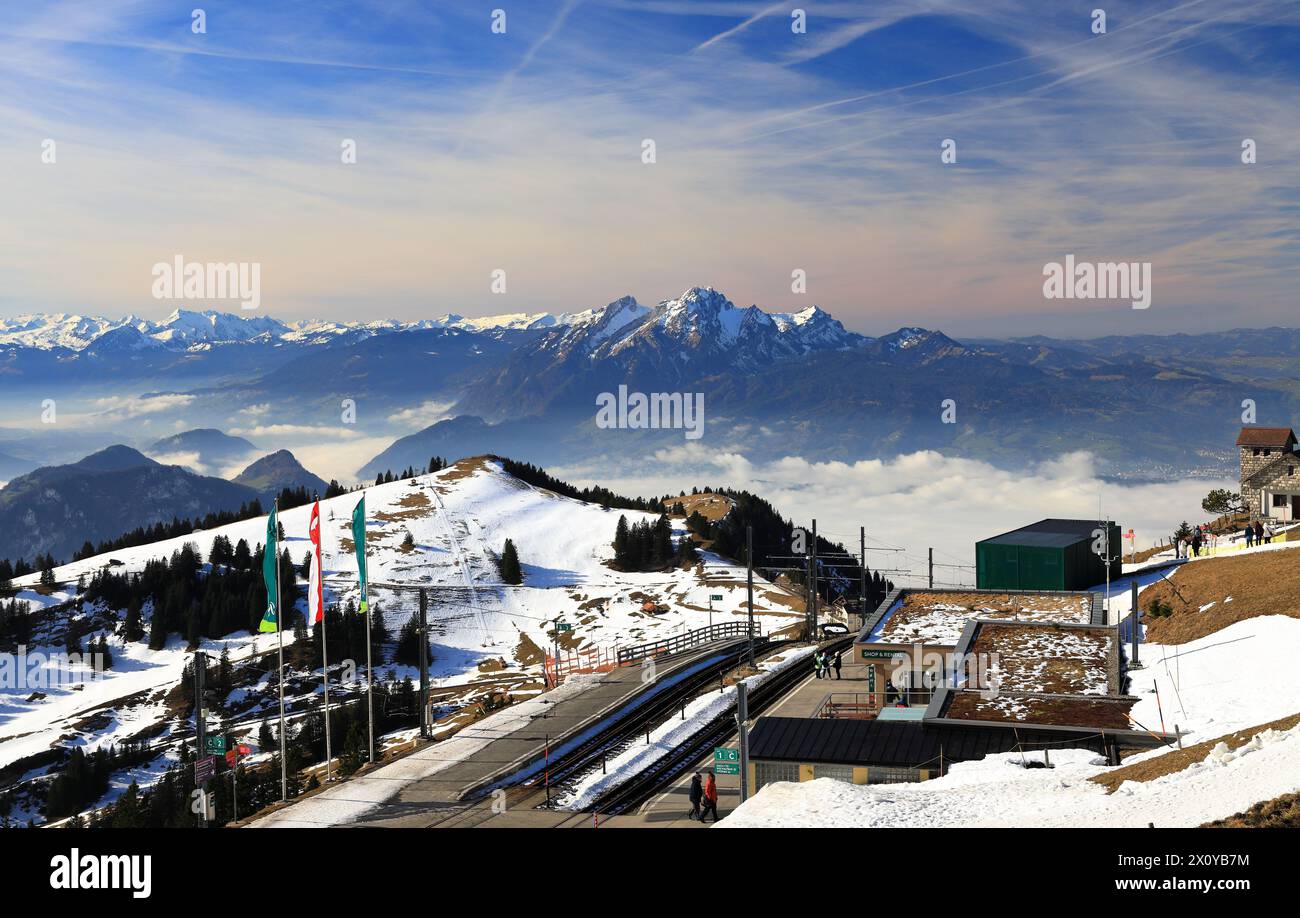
1281, 500
1255, 451
1290, 469
771, 772
838, 772
885, 775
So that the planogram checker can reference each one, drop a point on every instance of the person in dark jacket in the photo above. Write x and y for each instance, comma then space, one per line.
710, 798
838, 663
695, 794
1196, 543
1250, 535
1259, 533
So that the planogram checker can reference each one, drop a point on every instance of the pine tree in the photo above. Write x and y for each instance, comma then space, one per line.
508, 564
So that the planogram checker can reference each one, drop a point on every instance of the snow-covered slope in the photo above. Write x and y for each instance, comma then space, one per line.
458, 519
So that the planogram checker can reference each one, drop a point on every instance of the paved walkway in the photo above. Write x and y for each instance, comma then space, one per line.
428, 786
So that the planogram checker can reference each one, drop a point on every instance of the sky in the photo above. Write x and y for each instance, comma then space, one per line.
776, 151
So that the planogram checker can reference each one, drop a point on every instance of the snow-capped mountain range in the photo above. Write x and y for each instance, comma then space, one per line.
698, 314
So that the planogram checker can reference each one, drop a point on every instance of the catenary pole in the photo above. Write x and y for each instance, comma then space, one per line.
279, 637
749, 586
742, 722
424, 665
814, 580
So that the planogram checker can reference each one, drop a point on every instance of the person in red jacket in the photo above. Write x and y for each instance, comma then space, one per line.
710, 797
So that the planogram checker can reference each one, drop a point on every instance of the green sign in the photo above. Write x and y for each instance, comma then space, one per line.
723, 754
726, 768
214, 745
715, 597
563, 626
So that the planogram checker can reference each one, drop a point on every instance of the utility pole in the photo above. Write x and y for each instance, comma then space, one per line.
862, 587
370, 688
200, 721
814, 580
742, 722
749, 588
1135, 626
931, 568
279, 638
424, 664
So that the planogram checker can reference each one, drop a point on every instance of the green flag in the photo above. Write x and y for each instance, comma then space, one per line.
271, 575
359, 545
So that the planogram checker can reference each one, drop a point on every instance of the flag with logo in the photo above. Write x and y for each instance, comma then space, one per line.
359, 545
271, 575
315, 590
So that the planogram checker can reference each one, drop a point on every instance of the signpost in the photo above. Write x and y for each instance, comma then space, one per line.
726, 761
214, 745
204, 769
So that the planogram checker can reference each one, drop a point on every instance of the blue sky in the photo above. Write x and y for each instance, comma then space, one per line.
776, 151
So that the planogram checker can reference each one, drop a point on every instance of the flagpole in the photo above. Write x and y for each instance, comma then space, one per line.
363, 560
279, 634
324, 653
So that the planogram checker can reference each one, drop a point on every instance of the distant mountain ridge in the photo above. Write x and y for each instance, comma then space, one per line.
55, 509
273, 473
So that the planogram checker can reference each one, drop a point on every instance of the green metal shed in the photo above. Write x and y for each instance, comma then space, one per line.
1047, 555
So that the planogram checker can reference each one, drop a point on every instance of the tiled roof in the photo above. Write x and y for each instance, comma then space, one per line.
1280, 437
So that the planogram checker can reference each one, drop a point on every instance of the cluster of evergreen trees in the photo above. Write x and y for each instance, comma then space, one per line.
436, 464
772, 539
649, 546
538, 477
10, 570
15, 625
232, 597
144, 535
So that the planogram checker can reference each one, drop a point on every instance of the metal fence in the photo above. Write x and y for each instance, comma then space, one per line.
686, 641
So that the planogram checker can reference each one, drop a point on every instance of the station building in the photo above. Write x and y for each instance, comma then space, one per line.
946, 676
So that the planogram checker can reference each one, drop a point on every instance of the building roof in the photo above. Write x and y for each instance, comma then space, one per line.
937, 617
1051, 532
891, 743
1277, 437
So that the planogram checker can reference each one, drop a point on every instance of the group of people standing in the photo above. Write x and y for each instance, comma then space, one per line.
824, 662
1258, 533
1255, 533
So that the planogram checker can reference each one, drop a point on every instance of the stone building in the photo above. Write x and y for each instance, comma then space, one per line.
1270, 472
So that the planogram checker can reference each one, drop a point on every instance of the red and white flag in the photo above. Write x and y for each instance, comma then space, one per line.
315, 590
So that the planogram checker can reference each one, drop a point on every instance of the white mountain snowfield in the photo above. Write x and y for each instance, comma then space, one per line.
1239, 677
201, 329
458, 518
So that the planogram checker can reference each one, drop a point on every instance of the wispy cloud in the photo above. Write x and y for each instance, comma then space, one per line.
776, 151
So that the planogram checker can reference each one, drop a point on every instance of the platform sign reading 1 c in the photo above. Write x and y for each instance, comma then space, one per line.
726, 761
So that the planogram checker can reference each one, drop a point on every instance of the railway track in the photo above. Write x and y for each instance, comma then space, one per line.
664, 771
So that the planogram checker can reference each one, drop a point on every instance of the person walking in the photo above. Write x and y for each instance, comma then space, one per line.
818, 663
1250, 535
1196, 543
838, 663
710, 797
695, 795
1269, 532
1259, 533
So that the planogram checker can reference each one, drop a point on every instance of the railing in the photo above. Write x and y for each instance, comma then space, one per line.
680, 642
595, 660
850, 706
